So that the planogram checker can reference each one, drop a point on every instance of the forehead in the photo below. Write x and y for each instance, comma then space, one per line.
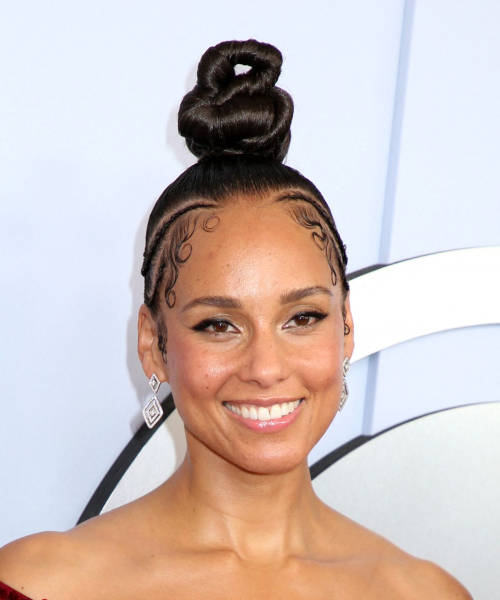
255, 249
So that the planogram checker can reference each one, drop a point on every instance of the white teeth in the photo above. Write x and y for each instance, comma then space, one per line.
263, 414
275, 411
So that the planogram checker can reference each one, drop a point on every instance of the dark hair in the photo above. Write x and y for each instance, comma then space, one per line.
238, 125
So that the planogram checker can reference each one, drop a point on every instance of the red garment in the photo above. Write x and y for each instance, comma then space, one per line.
7, 593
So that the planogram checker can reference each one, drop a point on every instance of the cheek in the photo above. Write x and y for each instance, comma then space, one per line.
320, 357
194, 371
322, 369
324, 382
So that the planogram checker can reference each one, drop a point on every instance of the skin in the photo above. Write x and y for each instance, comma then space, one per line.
239, 519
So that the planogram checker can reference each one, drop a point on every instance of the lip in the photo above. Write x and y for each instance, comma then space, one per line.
271, 426
266, 402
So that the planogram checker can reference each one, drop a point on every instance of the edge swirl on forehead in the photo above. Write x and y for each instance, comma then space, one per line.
168, 250
178, 249
308, 213
210, 222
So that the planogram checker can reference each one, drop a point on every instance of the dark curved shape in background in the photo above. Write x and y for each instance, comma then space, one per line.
122, 464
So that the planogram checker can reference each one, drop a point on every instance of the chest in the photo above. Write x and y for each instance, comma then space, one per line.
223, 579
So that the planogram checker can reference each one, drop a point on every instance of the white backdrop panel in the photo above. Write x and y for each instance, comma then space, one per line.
448, 183
443, 191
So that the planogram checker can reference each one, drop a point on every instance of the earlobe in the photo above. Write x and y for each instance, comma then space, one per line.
348, 329
147, 346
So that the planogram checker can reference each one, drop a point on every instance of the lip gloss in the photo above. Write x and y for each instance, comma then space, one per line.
271, 426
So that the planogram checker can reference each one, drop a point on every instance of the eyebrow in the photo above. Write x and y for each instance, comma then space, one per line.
301, 293
217, 301
285, 298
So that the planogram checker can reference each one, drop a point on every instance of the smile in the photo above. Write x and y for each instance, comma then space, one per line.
263, 413
266, 419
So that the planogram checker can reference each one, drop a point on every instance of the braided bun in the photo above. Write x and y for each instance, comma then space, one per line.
227, 114
238, 125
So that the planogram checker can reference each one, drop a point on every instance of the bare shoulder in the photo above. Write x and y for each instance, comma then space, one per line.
415, 579
54, 564
393, 572
42, 564
40, 558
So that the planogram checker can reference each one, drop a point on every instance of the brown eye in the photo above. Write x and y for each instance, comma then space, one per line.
217, 326
302, 320
305, 319
220, 326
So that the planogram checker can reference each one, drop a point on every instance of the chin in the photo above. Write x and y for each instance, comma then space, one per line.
272, 461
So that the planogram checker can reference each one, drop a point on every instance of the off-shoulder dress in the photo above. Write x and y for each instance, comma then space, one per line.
7, 593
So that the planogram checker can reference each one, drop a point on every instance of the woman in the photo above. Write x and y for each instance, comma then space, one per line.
247, 317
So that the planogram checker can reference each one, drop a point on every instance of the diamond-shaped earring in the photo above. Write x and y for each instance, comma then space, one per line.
154, 383
153, 411
345, 388
346, 365
344, 395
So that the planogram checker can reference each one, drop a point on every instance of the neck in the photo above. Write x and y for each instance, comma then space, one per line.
261, 517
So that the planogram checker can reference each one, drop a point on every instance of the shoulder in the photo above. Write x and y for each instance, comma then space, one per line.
62, 564
35, 550
394, 572
58, 564
40, 558
415, 579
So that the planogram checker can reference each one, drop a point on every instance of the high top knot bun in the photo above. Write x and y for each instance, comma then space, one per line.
228, 113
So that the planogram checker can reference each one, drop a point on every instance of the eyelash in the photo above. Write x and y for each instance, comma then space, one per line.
315, 314
206, 323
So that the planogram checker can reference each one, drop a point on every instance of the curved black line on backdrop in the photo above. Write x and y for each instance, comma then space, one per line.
144, 434
327, 461
123, 463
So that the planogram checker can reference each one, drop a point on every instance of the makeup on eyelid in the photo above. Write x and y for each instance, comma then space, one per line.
313, 314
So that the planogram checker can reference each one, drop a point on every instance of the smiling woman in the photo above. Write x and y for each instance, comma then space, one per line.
255, 338
246, 315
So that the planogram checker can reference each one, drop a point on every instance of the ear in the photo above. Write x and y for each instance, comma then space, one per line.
349, 338
147, 346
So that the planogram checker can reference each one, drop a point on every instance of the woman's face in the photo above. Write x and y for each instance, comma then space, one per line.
256, 323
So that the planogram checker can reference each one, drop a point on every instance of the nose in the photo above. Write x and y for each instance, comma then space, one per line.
265, 361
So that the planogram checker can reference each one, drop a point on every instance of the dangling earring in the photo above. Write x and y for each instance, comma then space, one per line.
153, 411
345, 389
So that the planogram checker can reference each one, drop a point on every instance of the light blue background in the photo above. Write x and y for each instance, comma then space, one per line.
396, 122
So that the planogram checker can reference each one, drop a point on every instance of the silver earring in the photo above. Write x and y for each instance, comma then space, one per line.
345, 389
153, 411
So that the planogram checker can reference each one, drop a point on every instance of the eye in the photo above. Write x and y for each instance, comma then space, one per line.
302, 320
217, 326
305, 319
220, 326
